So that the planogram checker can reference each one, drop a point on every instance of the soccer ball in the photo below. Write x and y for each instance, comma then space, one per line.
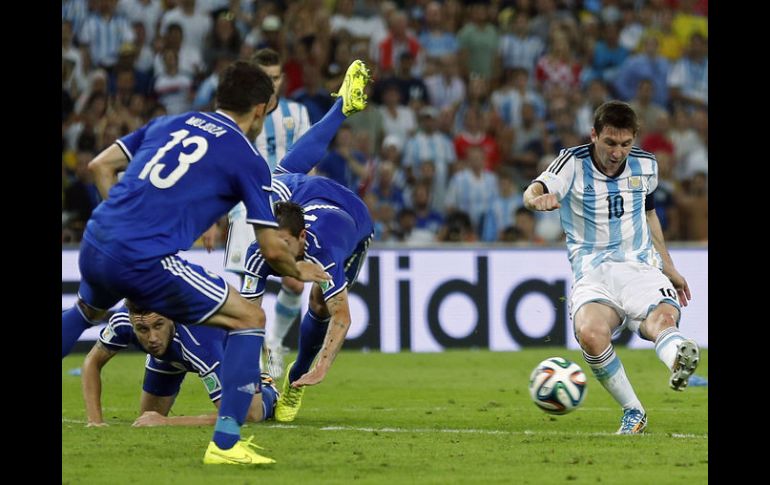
557, 385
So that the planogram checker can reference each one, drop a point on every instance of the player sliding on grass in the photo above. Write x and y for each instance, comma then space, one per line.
624, 275
174, 350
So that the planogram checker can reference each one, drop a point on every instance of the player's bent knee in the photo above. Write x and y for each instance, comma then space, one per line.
590, 336
91, 313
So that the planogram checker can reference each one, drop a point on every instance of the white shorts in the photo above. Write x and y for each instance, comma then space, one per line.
239, 237
632, 289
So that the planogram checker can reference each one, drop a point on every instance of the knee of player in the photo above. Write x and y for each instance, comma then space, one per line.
590, 333
252, 317
662, 318
93, 314
318, 306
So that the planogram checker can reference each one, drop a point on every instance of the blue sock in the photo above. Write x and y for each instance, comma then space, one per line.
312, 331
240, 381
269, 396
312, 146
73, 323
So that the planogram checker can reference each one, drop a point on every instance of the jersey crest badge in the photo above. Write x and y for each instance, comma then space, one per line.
635, 182
211, 382
288, 123
326, 285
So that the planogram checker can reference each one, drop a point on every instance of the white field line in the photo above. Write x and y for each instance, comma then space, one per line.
525, 432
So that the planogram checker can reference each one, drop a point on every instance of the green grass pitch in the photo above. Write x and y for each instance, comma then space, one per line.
452, 417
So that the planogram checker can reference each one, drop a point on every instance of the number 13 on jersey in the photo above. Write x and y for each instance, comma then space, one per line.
154, 167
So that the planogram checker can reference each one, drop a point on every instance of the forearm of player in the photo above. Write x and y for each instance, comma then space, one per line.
656, 232
338, 329
537, 198
105, 168
91, 382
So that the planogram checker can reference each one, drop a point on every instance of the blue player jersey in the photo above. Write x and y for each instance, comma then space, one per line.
184, 173
338, 227
196, 349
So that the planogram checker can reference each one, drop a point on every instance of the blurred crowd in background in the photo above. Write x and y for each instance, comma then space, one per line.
470, 100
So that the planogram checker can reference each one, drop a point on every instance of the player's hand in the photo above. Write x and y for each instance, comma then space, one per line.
209, 238
546, 202
94, 424
312, 272
680, 284
310, 378
149, 418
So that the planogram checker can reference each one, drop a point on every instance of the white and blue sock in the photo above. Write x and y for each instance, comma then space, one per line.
610, 372
667, 344
287, 308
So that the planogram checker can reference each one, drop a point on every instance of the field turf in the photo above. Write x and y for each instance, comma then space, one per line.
452, 417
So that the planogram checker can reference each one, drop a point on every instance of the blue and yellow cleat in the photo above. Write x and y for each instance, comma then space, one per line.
241, 454
634, 421
687, 358
289, 401
352, 89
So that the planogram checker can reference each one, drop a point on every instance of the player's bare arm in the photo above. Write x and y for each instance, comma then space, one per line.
535, 198
335, 336
92, 382
656, 232
105, 168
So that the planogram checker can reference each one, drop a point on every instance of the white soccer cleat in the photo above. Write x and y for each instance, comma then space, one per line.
275, 360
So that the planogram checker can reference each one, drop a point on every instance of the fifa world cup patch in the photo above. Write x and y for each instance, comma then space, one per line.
249, 284
211, 382
108, 333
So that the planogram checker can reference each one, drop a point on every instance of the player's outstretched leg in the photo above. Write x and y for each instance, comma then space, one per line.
352, 89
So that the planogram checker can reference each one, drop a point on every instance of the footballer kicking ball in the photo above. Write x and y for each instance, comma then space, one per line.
557, 385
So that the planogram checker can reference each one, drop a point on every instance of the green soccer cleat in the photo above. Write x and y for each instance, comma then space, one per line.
290, 400
352, 89
241, 454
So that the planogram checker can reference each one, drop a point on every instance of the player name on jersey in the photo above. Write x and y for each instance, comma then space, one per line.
206, 126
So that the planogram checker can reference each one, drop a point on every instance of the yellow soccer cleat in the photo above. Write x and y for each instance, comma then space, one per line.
352, 89
241, 454
290, 400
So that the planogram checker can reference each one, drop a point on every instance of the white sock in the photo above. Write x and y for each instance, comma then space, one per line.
287, 308
667, 344
610, 372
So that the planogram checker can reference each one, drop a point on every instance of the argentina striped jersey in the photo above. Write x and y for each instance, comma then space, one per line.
603, 217
281, 129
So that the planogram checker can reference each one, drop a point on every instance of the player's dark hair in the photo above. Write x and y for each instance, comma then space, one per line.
243, 85
290, 216
134, 309
616, 114
266, 57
